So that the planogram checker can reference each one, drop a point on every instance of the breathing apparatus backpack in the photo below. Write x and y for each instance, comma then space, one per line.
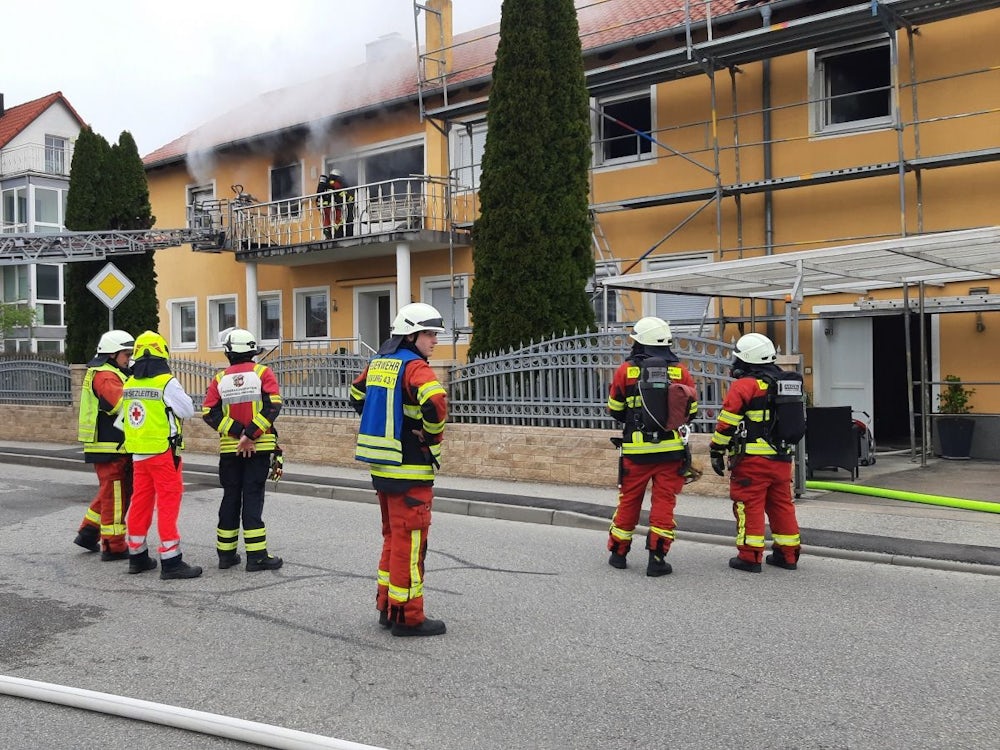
786, 404
666, 403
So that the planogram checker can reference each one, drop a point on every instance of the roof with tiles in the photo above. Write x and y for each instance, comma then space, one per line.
15, 119
603, 23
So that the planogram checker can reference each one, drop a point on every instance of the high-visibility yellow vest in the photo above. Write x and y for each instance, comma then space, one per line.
146, 419
95, 428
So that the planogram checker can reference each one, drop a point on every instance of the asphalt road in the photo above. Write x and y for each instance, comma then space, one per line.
548, 647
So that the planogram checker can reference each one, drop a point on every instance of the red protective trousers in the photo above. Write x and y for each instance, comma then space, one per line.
667, 482
760, 486
406, 519
159, 485
107, 509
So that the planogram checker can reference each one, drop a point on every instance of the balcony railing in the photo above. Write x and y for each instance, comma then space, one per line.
370, 210
35, 157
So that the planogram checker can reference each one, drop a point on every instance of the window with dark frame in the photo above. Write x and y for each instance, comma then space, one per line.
286, 185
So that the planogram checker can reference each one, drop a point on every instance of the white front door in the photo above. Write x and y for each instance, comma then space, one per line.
842, 363
373, 313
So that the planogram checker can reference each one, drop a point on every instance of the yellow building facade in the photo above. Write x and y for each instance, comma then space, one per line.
720, 132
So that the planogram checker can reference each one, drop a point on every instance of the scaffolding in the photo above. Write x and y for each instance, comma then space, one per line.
786, 27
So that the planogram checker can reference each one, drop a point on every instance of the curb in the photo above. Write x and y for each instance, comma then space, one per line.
583, 516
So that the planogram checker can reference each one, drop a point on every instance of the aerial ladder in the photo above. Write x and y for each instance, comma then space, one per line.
211, 230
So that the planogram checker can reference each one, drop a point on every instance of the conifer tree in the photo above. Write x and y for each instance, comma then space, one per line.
532, 250
108, 191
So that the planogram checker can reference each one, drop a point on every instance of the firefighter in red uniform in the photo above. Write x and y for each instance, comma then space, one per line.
653, 445
242, 404
403, 409
103, 526
760, 481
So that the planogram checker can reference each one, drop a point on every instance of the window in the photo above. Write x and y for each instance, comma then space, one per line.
604, 271
14, 210
286, 186
682, 311
437, 291
201, 206
183, 324
312, 313
48, 295
468, 144
623, 126
221, 315
47, 204
47, 346
55, 155
852, 87
16, 287
270, 317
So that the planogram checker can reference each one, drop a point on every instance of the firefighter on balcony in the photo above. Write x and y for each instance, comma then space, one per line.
335, 200
154, 406
343, 204
403, 409
652, 394
103, 526
757, 429
241, 404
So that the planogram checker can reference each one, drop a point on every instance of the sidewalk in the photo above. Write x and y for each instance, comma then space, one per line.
835, 524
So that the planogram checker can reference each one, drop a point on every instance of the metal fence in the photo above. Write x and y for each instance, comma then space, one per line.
562, 382
31, 379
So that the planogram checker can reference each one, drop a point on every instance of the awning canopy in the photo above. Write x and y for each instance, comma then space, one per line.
935, 259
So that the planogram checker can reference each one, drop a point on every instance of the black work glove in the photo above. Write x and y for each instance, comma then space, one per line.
718, 463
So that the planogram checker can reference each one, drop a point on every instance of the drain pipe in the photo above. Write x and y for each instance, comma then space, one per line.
216, 725
983, 506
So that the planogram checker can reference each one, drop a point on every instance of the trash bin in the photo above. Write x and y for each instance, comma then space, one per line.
831, 440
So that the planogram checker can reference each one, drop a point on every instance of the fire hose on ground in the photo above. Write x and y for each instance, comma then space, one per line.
982, 506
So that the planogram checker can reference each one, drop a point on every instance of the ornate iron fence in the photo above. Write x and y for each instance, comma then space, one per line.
563, 382
30, 379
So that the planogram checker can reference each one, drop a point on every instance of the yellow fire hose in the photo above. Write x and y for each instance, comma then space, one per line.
910, 497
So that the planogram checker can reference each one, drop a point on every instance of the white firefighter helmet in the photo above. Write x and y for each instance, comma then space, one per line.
115, 341
755, 349
417, 316
652, 331
240, 341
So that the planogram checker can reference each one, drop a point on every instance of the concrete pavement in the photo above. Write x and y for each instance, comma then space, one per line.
836, 524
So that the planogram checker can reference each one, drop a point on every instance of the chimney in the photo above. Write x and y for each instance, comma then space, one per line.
387, 47
439, 33
2, 110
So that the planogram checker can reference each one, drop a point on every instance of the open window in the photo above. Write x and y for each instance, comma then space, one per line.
623, 128
852, 87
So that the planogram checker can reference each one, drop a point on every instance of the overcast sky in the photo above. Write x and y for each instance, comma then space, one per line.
160, 69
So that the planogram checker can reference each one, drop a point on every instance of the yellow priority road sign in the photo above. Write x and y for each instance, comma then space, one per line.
110, 286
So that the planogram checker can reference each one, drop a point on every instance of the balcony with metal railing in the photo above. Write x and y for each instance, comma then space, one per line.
348, 223
36, 158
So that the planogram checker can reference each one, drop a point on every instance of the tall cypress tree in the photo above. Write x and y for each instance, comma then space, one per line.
108, 190
532, 250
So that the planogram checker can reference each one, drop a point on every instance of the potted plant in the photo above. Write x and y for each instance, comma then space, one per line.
954, 428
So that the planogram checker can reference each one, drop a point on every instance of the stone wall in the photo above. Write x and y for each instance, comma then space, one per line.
529, 454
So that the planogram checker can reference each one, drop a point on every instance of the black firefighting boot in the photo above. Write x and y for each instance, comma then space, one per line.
89, 537
657, 565
140, 562
427, 627
738, 563
107, 555
175, 567
383, 619
263, 562
777, 558
617, 561
229, 559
